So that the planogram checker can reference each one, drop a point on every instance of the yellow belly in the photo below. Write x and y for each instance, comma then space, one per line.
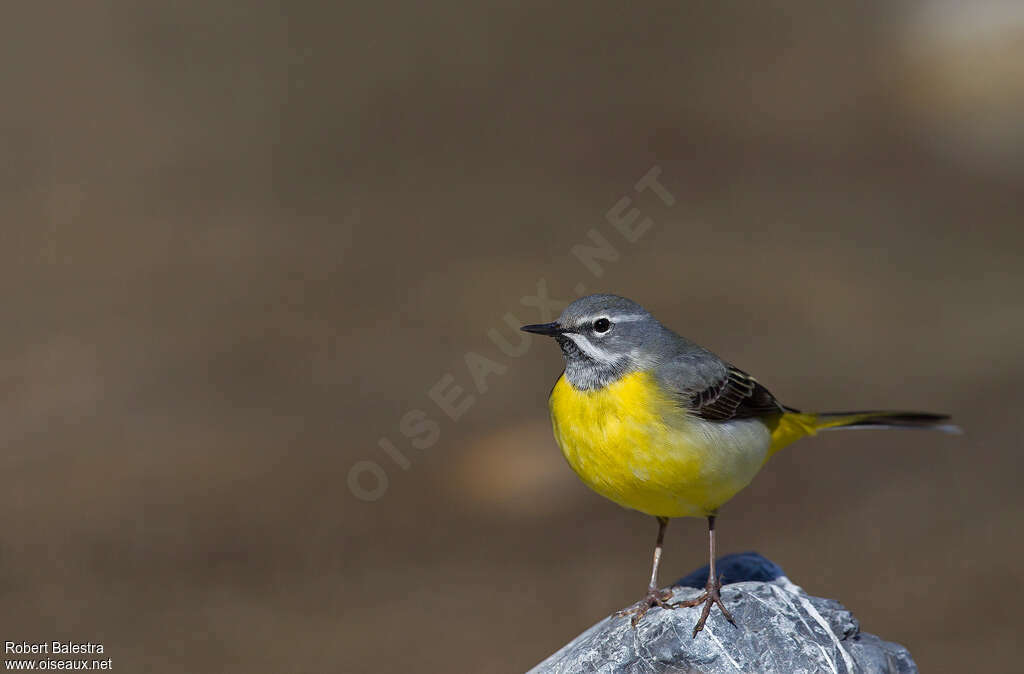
633, 443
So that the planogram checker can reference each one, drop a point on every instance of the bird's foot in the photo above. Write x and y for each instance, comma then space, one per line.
710, 597
654, 597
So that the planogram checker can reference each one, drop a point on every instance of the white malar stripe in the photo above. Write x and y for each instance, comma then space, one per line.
592, 351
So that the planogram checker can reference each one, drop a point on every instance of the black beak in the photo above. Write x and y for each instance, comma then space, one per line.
549, 329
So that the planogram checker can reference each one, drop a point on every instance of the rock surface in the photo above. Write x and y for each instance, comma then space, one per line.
780, 629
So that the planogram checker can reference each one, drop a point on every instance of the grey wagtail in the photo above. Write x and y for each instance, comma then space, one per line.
658, 424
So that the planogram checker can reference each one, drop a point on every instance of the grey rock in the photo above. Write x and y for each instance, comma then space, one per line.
780, 628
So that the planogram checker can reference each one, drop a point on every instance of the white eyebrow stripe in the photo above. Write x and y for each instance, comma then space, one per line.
624, 318
592, 351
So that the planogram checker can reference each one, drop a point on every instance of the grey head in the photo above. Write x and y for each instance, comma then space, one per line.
604, 337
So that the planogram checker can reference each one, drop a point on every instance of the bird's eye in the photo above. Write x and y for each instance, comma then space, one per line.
602, 325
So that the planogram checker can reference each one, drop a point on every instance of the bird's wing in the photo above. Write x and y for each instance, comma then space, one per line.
737, 395
717, 391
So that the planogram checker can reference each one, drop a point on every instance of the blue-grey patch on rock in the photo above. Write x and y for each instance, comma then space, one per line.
735, 568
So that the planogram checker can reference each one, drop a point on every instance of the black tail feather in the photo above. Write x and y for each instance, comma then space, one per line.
896, 419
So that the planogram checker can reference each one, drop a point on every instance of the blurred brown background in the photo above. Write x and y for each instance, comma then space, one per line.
240, 242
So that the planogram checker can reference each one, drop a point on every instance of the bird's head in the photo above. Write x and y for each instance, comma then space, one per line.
604, 337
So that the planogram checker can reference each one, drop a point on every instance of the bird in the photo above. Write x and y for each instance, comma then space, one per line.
658, 424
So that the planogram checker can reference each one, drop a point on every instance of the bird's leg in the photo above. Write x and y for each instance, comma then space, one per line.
711, 594
654, 596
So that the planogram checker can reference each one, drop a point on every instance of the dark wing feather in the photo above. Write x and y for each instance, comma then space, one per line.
736, 395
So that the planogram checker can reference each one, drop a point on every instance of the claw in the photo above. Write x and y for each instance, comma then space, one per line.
710, 597
654, 597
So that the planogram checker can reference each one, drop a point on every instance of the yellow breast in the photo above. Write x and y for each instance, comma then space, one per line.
635, 444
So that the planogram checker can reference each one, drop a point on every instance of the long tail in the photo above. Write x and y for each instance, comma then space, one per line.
841, 420
795, 425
